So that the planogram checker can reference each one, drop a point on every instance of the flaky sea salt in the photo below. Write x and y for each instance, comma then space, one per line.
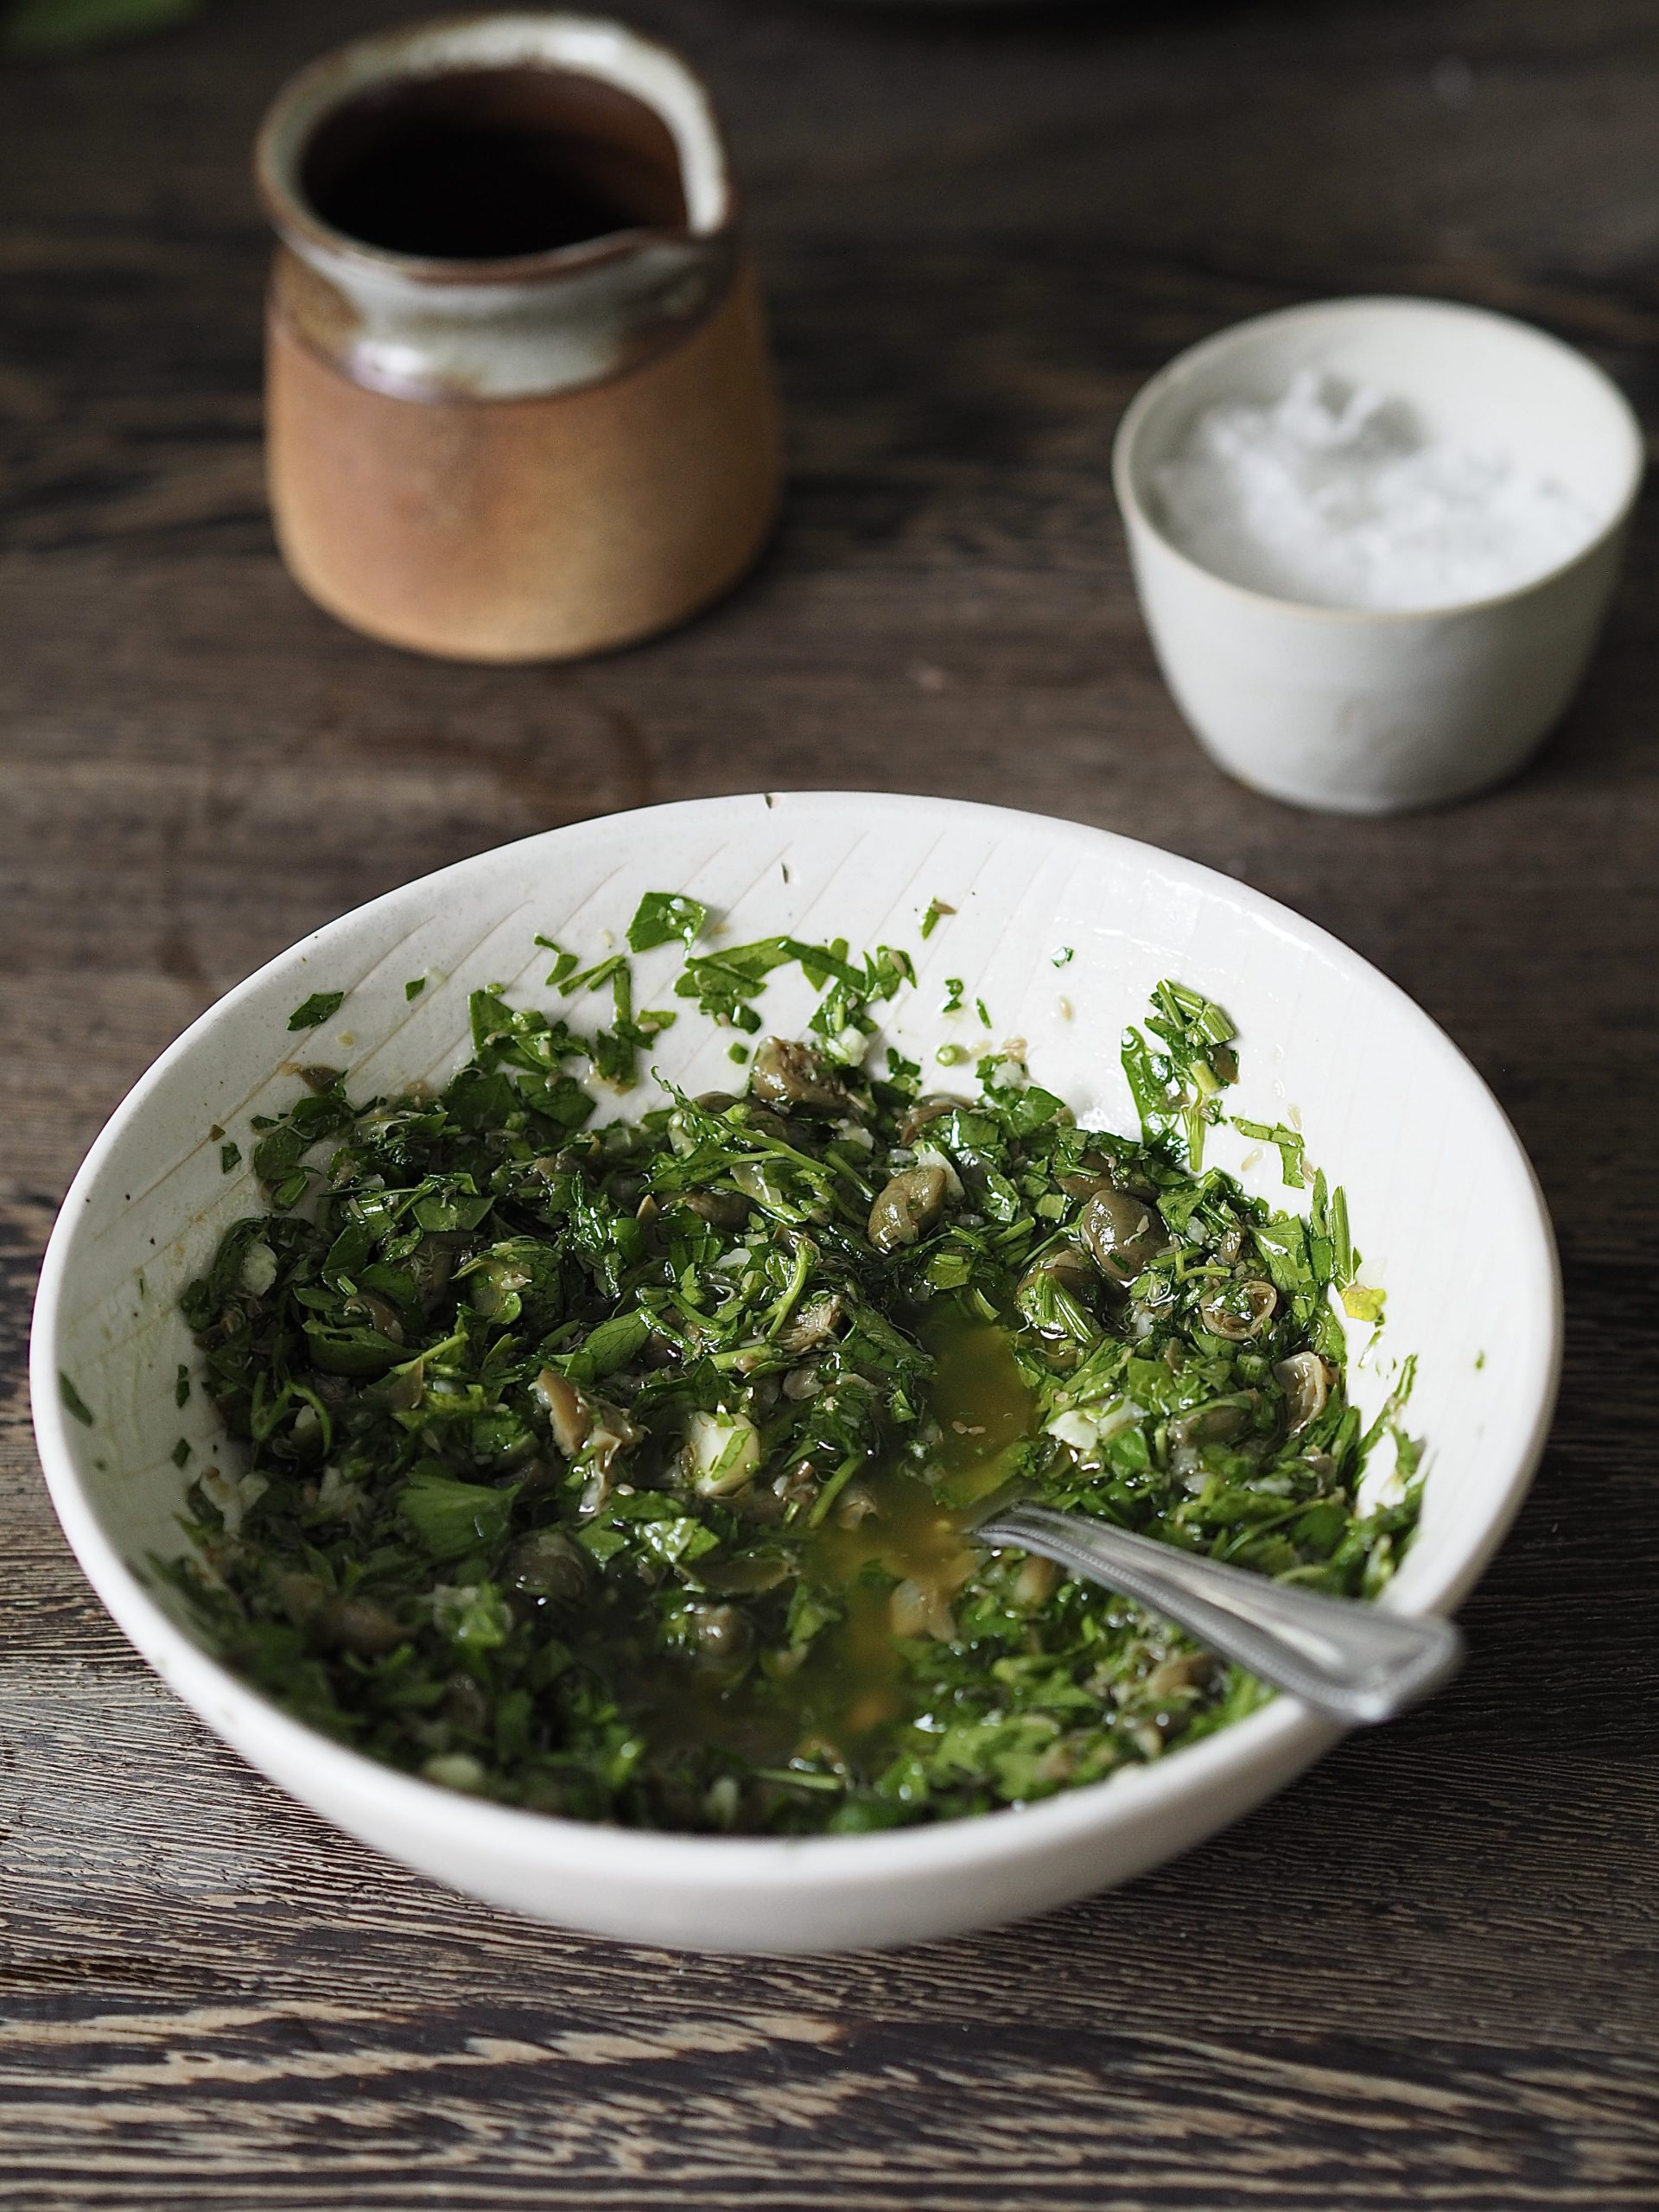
1333, 496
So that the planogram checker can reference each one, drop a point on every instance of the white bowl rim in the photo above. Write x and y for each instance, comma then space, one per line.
1280, 1730
1219, 343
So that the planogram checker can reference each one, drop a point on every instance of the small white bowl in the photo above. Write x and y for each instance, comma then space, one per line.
1356, 711
1444, 1207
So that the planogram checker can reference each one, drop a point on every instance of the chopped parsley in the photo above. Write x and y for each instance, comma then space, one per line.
1292, 1152
1179, 1090
628, 1469
73, 1402
321, 1007
664, 915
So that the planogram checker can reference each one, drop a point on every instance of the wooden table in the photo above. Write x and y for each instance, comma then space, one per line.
1428, 1975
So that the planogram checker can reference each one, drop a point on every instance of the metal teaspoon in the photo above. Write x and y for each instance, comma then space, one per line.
1347, 1659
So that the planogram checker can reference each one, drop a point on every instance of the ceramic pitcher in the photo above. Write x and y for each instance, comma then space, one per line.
531, 429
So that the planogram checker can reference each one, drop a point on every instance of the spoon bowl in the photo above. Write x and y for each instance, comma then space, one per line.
1349, 1661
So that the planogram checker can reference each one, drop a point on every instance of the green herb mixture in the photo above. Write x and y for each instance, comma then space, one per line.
627, 1472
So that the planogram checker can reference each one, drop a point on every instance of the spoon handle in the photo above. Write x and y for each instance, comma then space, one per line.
1349, 1661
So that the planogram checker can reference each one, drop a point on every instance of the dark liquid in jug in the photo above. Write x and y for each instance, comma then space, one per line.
493, 164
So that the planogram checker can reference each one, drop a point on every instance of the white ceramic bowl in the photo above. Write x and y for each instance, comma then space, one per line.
1444, 1203
1352, 710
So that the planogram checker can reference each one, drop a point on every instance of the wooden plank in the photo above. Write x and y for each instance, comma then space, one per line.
1426, 1975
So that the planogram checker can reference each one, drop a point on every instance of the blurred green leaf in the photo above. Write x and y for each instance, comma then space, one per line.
36, 29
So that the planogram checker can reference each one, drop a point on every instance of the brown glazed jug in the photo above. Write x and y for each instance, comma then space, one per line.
519, 403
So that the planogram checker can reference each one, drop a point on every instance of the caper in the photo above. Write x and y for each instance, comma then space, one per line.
856, 1504
301, 1594
760, 1122
546, 1564
786, 1073
1221, 1424
1121, 1233
1065, 1266
432, 1263
1188, 1670
381, 1313
724, 1637
910, 1204
568, 1415
1093, 1173
915, 1609
719, 1209
749, 1572
466, 1707
753, 1119
1066, 1271
932, 1108
1237, 1311
1036, 1581
1082, 1183
359, 1626
1306, 1381
815, 1324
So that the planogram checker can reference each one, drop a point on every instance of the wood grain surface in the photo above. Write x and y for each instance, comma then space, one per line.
1428, 1975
